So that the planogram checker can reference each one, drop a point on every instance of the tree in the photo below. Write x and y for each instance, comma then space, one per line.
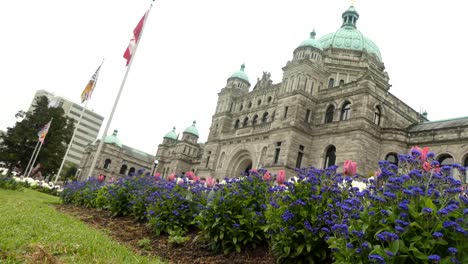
19, 141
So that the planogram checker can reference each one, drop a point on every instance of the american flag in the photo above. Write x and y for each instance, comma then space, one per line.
43, 132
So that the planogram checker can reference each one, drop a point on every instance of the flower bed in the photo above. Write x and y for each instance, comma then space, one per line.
414, 213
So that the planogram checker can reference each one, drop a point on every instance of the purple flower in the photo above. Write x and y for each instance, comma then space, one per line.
399, 229
307, 225
287, 216
434, 258
452, 250
389, 253
427, 210
387, 236
376, 258
437, 235
350, 246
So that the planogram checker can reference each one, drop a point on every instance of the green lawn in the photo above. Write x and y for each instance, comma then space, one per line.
29, 223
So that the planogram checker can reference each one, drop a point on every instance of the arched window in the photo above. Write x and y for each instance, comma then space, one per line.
445, 159
131, 172
265, 117
329, 114
331, 83
377, 115
254, 120
392, 158
246, 121
259, 102
249, 105
330, 157
123, 169
465, 162
236, 125
107, 163
273, 116
241, 107
341, 82
345, 111
221, 160
269, 99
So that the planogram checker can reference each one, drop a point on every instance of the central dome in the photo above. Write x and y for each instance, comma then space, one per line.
348, 37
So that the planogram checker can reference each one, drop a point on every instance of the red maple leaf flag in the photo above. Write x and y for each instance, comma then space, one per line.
134, 41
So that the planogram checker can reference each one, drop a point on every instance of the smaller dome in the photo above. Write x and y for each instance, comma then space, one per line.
241, 74
192, 129
312, 42
172, 134
113, 139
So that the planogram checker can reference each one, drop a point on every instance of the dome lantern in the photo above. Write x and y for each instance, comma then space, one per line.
350, 17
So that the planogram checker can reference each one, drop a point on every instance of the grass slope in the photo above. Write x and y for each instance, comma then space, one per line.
32, 230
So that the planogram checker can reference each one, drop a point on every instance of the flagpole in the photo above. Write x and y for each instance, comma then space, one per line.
77, 125
29, 163
96, 155
40, 146
71, 141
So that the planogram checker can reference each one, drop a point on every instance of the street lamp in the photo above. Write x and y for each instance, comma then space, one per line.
155, 166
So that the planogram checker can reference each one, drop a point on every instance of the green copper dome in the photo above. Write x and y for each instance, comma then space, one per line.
311, 42
172, 134
113, 139
241, 74
348, 37
192, 129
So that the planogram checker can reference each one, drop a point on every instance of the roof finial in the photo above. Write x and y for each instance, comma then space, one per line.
194, 122
242, 66
115, 132
313, 34
173, 128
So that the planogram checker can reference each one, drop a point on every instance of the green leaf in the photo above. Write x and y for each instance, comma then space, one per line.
418, 254
309, 247
287, 250
234, 240
299, 249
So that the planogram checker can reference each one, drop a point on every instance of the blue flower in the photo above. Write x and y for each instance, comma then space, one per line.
387, 236
389, 253
376, 258
365, 245
287, 216
236, 225
399, 229
349, 245
434, 258
437, 235
452, 250
427, 210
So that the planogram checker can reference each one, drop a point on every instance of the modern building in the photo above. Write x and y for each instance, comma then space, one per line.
88, 128
333, 104
115, 159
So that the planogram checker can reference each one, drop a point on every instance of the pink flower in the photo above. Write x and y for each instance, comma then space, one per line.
253, 170
190, 175
350, 168
210, 182
171, 177
157, 174
100, 178
423, 152
281, 177
426, 166
266, 176
195, 178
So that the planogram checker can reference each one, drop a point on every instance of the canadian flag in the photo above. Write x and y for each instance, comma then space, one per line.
133, 42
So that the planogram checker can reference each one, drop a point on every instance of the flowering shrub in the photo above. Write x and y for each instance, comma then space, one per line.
412, 214
11, 184
172, 207
127, 196
81, 192
302, 214
234, 216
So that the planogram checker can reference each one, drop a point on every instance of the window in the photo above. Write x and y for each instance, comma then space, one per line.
465, 162
331, 83
312, 87
131, 172
300, 154
305, 85
107, 163
259, 102
249, 105
273, 116
254, 120
221, 159
341, 82
330, 157
246, 121
269, 99
329, 114
445, 159
392, 158
185, 149
345, 111
285, 111
208, 159
230, 107
241, 107
277, 152
307, 116
377, 115
236, 125
265, 117
123, 169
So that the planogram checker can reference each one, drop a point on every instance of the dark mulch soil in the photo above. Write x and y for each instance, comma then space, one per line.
130, 232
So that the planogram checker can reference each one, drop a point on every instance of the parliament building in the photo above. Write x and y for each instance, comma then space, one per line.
333, 103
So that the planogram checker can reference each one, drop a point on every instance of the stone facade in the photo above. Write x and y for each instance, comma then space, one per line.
333, 104
115, 159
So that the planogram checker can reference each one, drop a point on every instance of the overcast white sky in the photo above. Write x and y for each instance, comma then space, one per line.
190, 47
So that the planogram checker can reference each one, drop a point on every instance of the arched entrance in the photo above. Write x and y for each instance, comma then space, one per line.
241, 162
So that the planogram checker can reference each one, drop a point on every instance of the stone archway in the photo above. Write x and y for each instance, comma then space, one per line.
240, 162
